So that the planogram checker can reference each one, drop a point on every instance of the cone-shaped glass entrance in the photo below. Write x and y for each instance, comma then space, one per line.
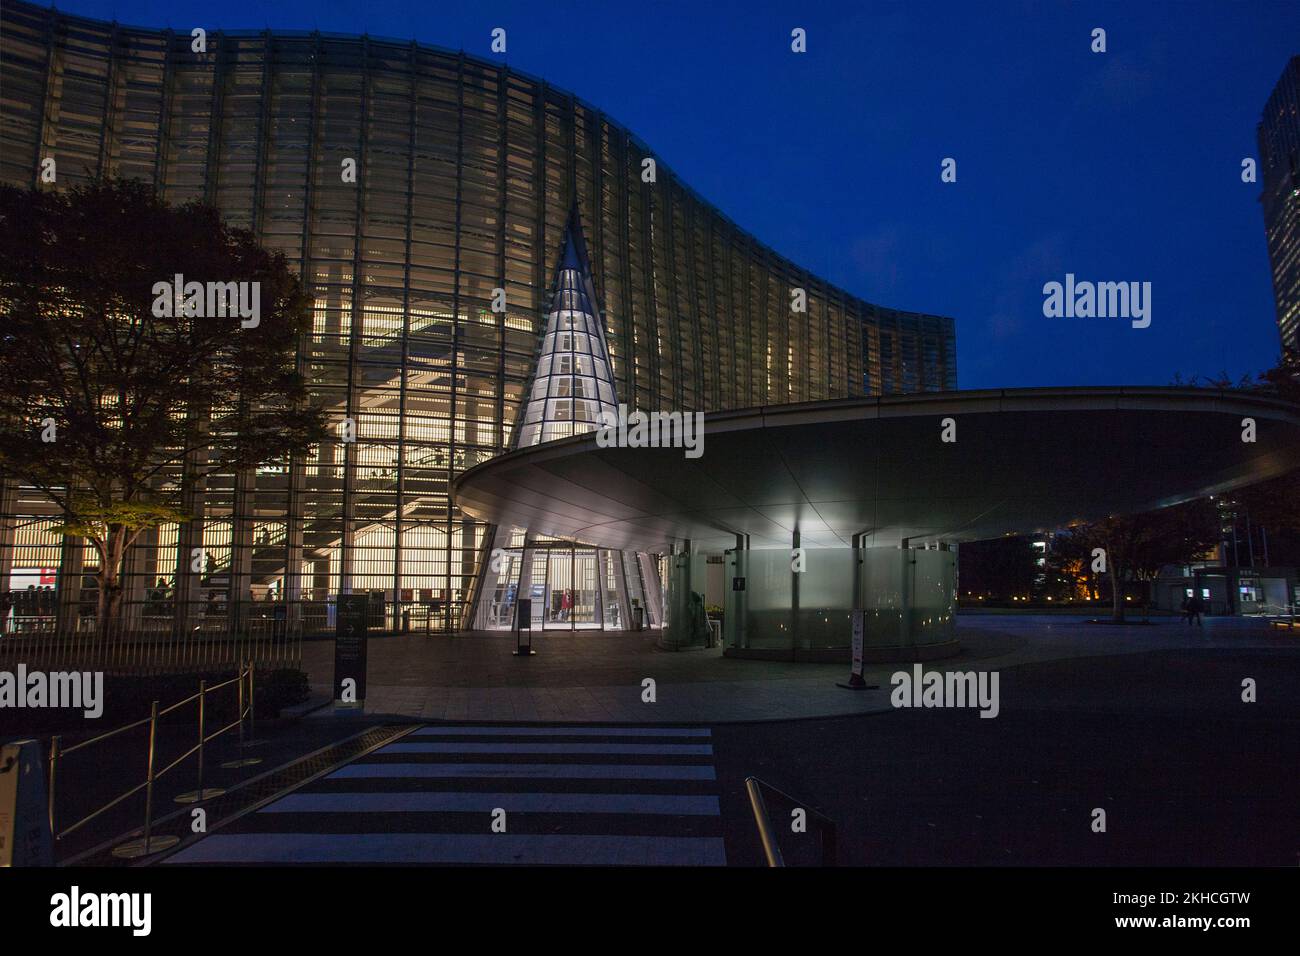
573, 382
570, 586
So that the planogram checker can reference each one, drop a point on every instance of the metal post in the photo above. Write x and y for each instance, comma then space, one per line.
54, 762
795, 623
148, 792
203, 692
771, 849
252, 703
148, 845
240, 682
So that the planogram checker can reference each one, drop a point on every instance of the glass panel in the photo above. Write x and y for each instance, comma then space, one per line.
934, 596
826, 598
767, 592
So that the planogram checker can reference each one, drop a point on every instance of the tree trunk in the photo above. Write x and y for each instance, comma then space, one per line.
1117, 594
109, 607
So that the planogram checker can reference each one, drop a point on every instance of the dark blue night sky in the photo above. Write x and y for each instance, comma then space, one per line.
1116, 166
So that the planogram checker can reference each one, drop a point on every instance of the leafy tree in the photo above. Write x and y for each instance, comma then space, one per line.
120, 396
1066, 575
1273, 504
1138, 546
1283, 380
1276, 503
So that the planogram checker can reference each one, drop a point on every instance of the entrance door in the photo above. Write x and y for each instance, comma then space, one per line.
585, 590
559, 589
571, 589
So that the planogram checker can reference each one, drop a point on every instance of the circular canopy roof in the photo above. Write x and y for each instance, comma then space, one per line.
1023, 460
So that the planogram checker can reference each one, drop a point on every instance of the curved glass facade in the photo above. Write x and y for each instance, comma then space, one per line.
466, 173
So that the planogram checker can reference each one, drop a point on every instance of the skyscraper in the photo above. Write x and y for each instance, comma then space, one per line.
1279, 152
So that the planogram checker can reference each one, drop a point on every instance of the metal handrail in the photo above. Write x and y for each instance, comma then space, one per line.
771, 848
202, 689
104, 736
245, 709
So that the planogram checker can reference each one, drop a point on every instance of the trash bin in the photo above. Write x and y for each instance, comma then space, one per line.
638, 618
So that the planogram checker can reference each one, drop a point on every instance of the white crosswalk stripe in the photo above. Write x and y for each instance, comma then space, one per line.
571, 795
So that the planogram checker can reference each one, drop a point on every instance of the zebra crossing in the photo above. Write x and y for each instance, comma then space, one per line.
560, 795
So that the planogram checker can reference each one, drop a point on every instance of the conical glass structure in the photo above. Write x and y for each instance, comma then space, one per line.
570, 585
573, 382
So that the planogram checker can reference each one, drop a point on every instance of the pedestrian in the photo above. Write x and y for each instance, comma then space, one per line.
1194, 608
1187, 610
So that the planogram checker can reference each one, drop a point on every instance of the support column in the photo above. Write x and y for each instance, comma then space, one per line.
905, 636
795, 641
137, 580
72, 553
624, 599
680, 630
293, 556
857, 572
241, 552
737, 602
8, 534
191, 561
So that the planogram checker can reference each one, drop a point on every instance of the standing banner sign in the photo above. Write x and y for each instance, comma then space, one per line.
24, 814
856, 681
856, 669
352, 629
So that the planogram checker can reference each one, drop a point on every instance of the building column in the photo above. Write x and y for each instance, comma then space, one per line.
293, 556
72, 554
795, 629
905, 636
8, 529
189, 539
736, 602
679, 631
137, 579
241, 552
857, 572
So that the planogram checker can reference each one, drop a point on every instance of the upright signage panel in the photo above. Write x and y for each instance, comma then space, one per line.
24, 815
856, 669
350, 634
524, 622
856, 681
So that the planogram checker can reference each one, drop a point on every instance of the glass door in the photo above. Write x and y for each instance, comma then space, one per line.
584, 593
559, 589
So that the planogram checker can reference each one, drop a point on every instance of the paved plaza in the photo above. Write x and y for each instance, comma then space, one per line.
587, 676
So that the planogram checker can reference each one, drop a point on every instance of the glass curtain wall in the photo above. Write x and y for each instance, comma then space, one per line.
468, 174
